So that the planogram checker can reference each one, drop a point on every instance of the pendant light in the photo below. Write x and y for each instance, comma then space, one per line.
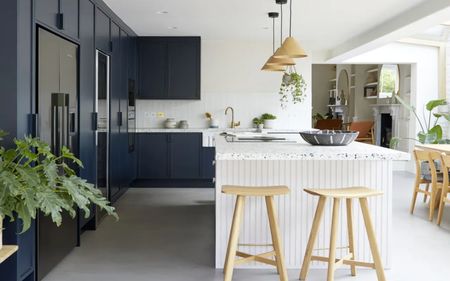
273, 64
290, 48
284, 61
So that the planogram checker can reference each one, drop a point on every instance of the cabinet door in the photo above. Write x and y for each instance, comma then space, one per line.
46, 11
152, 68
69, 11
185, 155
88, 154
184, 68
153, 156
208, 162
102, 31
116, 149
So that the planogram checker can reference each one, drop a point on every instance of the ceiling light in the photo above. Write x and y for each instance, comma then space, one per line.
290, 48
273, 64
162, 12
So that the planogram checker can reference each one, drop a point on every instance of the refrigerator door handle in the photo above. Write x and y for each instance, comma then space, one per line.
34, 125
119, 119
94, 121
72, 123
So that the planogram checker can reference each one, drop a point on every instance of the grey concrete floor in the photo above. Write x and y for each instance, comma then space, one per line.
168, 234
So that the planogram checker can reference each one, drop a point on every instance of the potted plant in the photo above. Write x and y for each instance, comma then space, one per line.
258, 122
293, 87
430, 131
33, 179
269, 120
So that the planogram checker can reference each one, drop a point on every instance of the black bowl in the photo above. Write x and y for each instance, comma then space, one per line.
329, 137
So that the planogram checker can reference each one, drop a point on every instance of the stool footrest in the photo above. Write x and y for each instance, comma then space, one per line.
262, 258
254, 245
345, 261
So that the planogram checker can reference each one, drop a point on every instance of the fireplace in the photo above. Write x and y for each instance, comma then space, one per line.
386, 122
385, 129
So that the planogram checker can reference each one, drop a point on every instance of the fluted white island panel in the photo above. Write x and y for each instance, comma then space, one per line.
299, 165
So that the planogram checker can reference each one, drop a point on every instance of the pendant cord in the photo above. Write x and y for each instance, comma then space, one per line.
290, 19
281, 23
273, 35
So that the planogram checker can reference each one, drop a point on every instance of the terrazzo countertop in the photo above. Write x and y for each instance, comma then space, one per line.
297, 149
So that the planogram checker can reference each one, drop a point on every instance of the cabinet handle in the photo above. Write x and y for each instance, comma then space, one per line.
34, 125
110, 46
60, 21
214, 162
94, 121
119, 119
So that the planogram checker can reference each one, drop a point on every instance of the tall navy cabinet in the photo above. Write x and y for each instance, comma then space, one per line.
90, 24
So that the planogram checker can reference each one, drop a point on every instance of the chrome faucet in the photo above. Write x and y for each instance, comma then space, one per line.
232, 124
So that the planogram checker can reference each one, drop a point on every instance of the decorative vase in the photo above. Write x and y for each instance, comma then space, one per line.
213, 123
269, 124
260, 127
170, 123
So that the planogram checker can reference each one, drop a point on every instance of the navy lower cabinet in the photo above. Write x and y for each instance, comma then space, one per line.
174, 160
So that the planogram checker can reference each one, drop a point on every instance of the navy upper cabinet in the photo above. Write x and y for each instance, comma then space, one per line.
184, 68
47, 11
59, 14
185, 155
102, 32
169, 67
69, 17
152, 54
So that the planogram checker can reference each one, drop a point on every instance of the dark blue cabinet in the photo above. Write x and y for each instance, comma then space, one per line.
88, 153
183, 68
169, 67
61, 15
152, 62
153, 156
208, 162
185, 156
102, 31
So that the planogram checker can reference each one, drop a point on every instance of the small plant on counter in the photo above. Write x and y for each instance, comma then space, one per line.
430, 130
34, 179
208, 115
294, 86
257, 121
268, 116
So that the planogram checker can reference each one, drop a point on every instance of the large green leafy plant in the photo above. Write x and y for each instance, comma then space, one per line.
33, 179
430, 129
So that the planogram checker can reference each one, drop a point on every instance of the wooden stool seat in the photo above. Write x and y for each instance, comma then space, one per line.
255, 190
274, 257
349, 192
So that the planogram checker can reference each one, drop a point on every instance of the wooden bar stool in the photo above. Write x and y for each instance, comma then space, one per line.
445, 186
337, 194
242, 192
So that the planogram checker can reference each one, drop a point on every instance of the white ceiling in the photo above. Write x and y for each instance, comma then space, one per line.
318, 24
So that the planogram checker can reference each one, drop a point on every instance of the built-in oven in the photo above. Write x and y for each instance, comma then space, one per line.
131, 115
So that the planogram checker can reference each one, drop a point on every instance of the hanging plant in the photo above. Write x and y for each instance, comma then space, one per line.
293, 88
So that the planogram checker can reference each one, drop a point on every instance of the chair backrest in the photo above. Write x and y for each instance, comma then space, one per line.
434, 159
420, 156
445, 160
329, 124
363, 127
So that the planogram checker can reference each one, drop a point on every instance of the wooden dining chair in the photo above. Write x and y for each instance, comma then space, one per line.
445, 186
431, 178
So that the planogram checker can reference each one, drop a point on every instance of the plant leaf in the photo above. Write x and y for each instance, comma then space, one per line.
435, 103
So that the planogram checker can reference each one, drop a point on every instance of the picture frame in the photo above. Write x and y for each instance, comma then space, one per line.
370, 91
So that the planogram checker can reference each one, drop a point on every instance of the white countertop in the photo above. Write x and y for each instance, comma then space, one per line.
300, 150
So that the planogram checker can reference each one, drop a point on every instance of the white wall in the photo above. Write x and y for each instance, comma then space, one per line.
321, 76
231, 76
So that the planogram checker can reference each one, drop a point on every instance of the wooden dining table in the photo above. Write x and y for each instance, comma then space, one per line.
445, 148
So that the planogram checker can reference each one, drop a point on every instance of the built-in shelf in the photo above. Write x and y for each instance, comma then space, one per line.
353, 75
352, 87
6, 251
337, 105
333, 90
372, 70
333, 80
372, 97
372, 84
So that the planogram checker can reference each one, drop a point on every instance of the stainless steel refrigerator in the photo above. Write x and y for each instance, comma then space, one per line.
57, 116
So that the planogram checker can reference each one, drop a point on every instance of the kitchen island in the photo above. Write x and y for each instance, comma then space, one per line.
299, 165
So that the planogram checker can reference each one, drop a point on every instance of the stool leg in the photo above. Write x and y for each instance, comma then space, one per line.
233, 240
276, 240
351, 240
333, 237
312, 237
372, 240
